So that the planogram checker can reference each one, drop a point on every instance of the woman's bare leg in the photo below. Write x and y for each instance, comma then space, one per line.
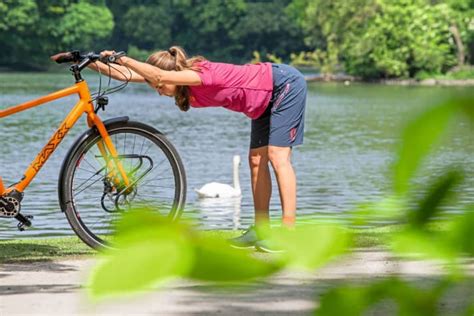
280, 157
261, 184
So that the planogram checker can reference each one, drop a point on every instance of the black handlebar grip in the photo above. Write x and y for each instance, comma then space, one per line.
67, 57
63, 58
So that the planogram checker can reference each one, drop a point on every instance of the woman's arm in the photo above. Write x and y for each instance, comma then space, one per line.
155, 75
117, 72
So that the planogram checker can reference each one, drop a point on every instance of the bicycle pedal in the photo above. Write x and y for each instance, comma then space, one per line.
24, 221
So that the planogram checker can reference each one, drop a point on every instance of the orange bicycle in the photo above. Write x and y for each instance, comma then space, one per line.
116, 165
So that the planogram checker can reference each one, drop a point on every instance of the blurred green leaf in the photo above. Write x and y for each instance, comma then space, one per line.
142, 224
461, 231
469, 311
423, 244
467, 104
418, 138
311, 246
357, 300
345, 300
150, 248
448, 244
438, 192
216, 261
143, 259
413, 300
388, 208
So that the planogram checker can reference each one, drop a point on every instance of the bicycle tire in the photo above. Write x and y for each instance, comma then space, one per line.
68, 195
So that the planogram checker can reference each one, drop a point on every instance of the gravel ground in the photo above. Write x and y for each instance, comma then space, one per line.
57, 288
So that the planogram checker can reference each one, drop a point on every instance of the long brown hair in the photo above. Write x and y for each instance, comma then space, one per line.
175, 58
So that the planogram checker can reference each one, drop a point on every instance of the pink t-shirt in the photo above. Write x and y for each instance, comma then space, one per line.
241, 88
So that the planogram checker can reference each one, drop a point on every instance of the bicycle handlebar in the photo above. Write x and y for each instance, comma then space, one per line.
81, 61
85, 59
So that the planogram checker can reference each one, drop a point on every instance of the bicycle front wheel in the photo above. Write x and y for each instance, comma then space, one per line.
90, 195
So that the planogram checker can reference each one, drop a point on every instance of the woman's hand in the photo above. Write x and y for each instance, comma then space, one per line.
108, 53
119, 72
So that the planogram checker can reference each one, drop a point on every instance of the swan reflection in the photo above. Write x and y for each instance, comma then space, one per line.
221, 210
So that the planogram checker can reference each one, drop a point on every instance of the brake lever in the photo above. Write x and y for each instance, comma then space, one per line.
112, 58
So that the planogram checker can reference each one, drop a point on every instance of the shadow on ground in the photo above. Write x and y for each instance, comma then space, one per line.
282, 295
13, 252
38, 288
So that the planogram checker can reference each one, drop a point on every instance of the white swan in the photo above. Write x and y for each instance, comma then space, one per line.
220, 190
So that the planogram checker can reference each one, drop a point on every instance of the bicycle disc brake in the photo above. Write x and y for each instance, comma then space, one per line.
122, 196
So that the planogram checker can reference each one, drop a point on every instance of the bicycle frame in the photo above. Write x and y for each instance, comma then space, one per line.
84, 105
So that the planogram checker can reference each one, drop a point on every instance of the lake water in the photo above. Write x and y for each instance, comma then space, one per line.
350, 137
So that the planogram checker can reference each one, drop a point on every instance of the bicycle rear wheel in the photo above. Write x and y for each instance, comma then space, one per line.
93, 202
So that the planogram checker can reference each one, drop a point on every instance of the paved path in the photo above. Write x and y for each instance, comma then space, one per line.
56, 288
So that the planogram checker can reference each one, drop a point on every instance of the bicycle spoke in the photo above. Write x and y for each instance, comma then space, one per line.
124, 144
141, 149
134, 139
77, 194
147, 149
87, 161
87, 170
86, 180
157, 165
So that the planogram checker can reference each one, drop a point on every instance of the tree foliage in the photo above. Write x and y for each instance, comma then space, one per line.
376, 38
367, 38
31, 30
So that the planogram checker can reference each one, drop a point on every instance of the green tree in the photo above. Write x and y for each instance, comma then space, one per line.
31, 30
201, 27
148, 27
84, 23
205, 27
462, 26
142, 24
17, 19
220, 30
328, 23
267, 28
401, 39
375, 38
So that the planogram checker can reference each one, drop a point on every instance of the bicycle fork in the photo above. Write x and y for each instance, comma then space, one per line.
107, 149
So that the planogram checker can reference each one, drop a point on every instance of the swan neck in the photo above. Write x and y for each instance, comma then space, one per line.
236, 177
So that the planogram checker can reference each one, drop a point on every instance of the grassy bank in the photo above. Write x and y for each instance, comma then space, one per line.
44, 249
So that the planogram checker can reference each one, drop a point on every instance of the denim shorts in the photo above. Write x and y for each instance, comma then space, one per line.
282, 123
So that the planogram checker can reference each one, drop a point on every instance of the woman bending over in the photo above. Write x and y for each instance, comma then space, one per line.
273, 96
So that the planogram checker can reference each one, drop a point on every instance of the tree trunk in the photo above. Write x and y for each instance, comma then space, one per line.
457, 38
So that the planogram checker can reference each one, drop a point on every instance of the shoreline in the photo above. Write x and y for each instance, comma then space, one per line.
340, 78
347, 80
